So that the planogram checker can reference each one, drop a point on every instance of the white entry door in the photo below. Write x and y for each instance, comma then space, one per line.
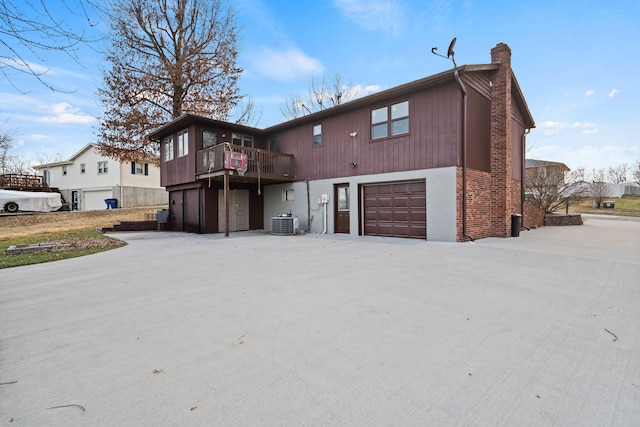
238, 210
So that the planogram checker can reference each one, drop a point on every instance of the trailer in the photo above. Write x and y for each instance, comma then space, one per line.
29, 201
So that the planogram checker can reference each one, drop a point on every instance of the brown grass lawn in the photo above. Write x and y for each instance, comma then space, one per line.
43, 223
75, 232
626, 205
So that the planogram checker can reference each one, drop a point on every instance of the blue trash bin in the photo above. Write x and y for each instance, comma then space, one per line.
111, 203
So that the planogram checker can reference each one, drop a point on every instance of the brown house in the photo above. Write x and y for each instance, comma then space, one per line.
440, 158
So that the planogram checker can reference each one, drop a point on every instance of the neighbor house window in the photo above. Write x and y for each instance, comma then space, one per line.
83, 168
390, 120
288, 195
168, 148
183, 143
139, 168
317, 135
103, 168
64, 171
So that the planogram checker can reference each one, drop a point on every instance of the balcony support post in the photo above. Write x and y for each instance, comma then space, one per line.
226, 203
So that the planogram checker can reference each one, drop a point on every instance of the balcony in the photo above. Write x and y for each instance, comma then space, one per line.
23, 182
268, 166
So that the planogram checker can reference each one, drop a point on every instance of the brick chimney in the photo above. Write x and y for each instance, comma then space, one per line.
501, 183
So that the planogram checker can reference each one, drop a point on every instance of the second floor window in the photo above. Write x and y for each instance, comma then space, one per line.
139, 168
242, 140
183, 143
168, 148
209, 139
83, 168
103, 168
64, 171
390, 120
317, 135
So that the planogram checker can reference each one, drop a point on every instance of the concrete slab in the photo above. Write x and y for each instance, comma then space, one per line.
181, 329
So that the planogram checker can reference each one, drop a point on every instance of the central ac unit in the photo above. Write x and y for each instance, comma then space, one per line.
284, 225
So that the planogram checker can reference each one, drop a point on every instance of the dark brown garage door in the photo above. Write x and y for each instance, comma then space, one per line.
395, 209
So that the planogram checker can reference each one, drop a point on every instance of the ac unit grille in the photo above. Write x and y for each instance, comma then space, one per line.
284, 225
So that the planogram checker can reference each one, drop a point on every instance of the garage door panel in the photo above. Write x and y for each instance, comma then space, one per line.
395, 209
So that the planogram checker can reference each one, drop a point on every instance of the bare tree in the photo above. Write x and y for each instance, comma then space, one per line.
635, 172
6, 144
248, 114
320, 95
598, 187
618, 174
168, 57
554, 189
31, 28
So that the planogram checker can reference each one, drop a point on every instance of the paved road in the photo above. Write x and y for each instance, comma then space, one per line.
180, 329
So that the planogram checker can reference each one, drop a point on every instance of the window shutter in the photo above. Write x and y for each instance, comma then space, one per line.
133, 168
146, 169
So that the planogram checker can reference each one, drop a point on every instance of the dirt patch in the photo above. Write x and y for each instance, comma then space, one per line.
42, 223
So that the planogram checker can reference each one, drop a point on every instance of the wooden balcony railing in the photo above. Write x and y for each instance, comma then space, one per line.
23, 182
268, 165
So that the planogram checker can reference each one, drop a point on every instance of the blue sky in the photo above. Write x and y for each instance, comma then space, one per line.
576, 62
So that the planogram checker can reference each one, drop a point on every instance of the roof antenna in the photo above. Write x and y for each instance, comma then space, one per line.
450, 53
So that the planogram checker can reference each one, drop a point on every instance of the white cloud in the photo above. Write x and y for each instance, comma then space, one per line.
589, 92
552, 128
285, 65
613, 93
373, 15
63, 113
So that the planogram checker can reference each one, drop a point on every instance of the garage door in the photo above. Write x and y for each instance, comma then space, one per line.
395, 209
94, 200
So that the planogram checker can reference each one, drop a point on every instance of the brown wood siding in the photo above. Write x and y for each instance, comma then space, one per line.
517, 129
478, 131
478, 81
432, 141
180, 170
396, 209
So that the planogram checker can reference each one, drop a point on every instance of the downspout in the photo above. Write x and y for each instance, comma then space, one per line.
464, 156
308, 208
522, 175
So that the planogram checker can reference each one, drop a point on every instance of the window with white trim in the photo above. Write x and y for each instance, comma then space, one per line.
317, 135
183, 143
83, 168
64, 171
168, 148
103, 168
390, 120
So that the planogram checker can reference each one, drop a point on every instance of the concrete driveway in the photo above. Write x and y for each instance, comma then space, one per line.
182, 329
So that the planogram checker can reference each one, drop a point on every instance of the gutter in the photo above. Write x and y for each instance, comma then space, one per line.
464, 156
522, 175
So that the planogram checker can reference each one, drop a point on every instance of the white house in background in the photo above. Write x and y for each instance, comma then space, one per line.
87, 179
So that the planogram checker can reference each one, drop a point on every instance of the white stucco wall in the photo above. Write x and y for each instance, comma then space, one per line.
441, 201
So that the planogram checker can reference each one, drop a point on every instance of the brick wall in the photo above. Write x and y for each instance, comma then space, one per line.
558, 219
533, 216
479, 204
